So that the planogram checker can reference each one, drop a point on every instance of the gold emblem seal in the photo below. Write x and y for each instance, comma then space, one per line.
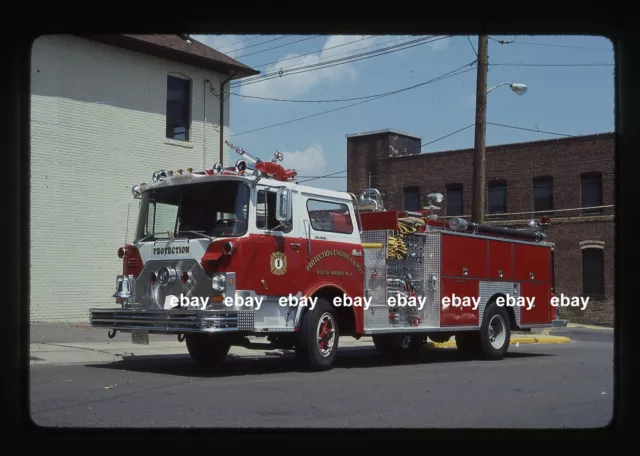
278, 263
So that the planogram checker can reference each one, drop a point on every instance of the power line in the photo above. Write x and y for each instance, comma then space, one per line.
313, 52
431, 142
342, 61
276, 47
293, 68
472, 46
238, 42
334, 55
550, 45
259, 44
552, 64
528, 129
446, 75
346, 99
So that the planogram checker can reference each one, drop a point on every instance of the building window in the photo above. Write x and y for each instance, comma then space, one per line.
453, 200
498, 197
412, 199
542, 194
593, 271
591, 192
178, 108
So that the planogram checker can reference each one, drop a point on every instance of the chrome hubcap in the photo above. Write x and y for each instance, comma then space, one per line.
497, 331
325, 334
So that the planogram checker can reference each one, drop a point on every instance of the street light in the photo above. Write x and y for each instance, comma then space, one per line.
518, 88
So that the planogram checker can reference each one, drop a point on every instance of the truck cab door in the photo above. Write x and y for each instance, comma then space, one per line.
279, 252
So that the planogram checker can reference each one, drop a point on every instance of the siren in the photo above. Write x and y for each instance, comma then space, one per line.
217, 168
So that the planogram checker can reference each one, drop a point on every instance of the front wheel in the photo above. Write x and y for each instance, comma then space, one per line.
317, 342
207, 349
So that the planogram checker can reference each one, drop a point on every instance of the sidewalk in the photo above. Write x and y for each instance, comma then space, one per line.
64, 343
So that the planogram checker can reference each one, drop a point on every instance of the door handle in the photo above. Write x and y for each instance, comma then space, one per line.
295, 245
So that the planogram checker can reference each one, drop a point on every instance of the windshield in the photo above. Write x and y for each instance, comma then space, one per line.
212, 209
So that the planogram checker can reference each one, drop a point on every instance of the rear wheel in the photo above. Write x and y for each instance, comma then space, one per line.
318, 338
207, 349
492, 341
495, 333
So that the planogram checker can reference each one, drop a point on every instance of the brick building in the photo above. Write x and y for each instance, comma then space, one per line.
571, 180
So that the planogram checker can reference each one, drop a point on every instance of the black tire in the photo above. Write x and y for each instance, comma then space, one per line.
468, 344
495, 333
207, 349
317, 342
398, 344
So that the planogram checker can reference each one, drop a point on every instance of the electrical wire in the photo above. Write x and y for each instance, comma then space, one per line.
238, 42
276, 47
310, 178
259, 44
446, 75
296, 66
324, 49
338, 99
342, 61
553, 64
550, 45
472, 46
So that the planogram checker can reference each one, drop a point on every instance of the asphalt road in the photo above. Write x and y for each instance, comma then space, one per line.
537, 386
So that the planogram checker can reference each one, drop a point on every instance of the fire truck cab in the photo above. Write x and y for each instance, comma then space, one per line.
226, 257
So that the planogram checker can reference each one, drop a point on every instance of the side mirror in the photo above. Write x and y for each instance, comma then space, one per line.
284, 205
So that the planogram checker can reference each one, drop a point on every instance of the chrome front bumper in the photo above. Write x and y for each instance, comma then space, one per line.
174, 321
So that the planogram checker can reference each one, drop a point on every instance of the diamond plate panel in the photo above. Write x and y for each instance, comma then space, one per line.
490, 289
377, 315
245, 320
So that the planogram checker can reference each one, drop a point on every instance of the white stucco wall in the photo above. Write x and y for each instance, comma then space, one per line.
97, 128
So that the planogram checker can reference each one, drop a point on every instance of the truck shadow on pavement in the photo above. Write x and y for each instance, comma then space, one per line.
277, 363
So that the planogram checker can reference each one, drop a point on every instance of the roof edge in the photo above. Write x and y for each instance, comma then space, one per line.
379, 132
519, 145
119, 40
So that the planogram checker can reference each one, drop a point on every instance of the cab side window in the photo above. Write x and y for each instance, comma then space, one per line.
266, 210
328, 216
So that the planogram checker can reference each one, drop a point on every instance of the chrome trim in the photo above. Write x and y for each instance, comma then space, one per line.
171, 275
125, 287
173, 321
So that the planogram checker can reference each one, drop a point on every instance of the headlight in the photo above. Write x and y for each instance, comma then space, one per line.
218, 282
167, 274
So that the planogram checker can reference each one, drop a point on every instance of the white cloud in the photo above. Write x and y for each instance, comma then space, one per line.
309, 162
440, 45
225, 43
296, 84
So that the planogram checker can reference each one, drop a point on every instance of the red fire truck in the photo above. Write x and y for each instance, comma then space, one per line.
227, 256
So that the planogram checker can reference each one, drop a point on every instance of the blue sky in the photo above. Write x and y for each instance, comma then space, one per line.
569, 92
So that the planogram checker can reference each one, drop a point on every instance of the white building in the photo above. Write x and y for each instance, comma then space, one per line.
106, 112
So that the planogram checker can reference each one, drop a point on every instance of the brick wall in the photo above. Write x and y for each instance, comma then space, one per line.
97, 128
562, 159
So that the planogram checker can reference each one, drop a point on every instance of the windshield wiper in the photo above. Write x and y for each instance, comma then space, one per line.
199, 233
150, 236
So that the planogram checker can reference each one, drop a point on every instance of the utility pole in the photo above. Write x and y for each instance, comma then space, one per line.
481, 117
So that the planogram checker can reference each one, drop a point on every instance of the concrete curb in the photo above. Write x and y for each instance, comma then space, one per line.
514, 340
579, 326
